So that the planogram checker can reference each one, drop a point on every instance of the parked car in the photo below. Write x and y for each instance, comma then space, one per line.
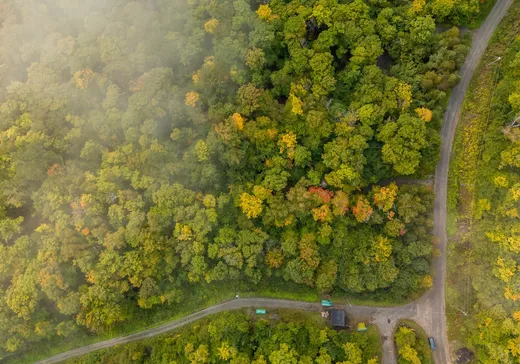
326, 303
432, 343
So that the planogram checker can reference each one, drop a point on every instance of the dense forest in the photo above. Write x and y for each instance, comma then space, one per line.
486, 267
237, 338
149, 147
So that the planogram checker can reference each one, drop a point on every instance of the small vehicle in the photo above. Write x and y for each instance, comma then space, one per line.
326, 303
261, 311
432, 343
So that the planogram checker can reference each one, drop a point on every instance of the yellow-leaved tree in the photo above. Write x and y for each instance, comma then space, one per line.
238, 120
192, 98
404, 95
264, 12
296, 104
250, 205
424, 113
211, 25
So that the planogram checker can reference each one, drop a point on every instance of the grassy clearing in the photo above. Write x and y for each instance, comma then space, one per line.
278, 288
287, 315
374, 339
282, 290
469, 176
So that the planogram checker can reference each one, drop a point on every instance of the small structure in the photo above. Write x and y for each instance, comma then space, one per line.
361, 326
261, 311
337, 318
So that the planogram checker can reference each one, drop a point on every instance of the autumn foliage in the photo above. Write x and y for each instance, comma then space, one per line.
238, 120
264, 12
362, 209
155, 152
384, 197
192, 98
83, 78
251, 205
211, 25
321, 213
274, 258
424, 113
323, 195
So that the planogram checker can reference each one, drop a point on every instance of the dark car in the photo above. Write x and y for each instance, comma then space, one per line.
432, 343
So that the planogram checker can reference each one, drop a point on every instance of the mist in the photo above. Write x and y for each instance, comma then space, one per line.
95, 134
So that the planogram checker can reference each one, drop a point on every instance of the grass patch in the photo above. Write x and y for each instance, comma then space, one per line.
280, 289
374, 340
296, 316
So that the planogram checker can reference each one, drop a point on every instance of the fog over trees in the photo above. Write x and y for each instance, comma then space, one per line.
149, 148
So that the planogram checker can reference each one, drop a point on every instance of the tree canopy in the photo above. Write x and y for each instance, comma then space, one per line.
147, 147
412, 347
236, 337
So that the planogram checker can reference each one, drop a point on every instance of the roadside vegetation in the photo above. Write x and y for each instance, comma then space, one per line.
152, 152
478, 18
483, 287
280, 337
412, 344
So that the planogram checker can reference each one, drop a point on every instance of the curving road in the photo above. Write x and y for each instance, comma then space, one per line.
432, 304
429, 310
377, 314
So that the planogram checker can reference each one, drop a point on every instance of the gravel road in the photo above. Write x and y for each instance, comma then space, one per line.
379, 315
432, 304
429, 310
